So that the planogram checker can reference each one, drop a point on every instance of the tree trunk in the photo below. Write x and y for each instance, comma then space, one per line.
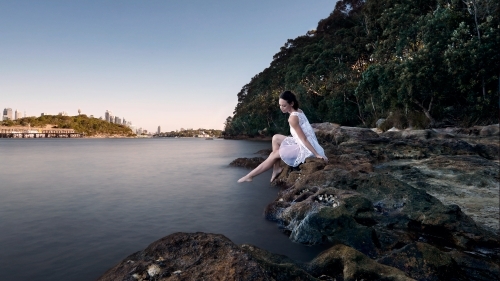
427, 111
360, 115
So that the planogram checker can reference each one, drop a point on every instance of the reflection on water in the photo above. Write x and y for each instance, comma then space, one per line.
72, 208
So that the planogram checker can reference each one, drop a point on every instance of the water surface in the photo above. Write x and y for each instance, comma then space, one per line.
72, 208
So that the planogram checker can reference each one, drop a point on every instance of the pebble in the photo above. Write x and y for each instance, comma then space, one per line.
153, 270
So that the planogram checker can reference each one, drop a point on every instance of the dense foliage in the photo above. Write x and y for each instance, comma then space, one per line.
426, 63
80, 123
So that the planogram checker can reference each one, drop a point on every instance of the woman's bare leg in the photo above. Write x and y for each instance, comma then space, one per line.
264, 166
276, 170
276, 142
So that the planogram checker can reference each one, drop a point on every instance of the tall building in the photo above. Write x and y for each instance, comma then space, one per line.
107, 116
159, 130
124, 123
7, 114
118, 120
18, 115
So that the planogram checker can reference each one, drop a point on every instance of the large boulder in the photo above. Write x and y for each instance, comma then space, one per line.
329, 132
250, 163
203, 256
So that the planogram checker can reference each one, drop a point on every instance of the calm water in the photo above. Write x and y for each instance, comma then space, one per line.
72, 208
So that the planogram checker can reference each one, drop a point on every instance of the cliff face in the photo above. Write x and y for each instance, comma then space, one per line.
399, 205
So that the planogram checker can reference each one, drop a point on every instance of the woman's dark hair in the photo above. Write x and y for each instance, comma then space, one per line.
290, 97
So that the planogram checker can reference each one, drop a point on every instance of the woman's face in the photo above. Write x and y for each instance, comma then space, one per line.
285, 106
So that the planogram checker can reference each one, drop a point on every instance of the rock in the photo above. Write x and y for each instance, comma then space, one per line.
418, 134
392, 134
264, 152
422, 261
249, 163
354, 134
277, 267
380, 122
326, 127
329, 132
378, 214
345, 263
423, 201
202, 256
312, 165
488, 151
468, 181
491, 130
476, 265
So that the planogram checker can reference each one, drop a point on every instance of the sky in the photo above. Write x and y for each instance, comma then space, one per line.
171, 63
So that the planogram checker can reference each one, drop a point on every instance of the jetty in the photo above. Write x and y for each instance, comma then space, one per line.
40, 133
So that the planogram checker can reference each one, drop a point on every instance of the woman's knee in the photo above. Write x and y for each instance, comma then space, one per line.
278, 138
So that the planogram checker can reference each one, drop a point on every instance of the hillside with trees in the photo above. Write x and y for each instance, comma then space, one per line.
418, 63
90, 126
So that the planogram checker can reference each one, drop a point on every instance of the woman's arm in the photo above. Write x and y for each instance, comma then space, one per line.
294, 123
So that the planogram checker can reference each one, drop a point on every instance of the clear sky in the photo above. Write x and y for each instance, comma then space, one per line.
173, 63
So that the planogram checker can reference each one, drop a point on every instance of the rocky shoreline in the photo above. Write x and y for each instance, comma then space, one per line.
395, 205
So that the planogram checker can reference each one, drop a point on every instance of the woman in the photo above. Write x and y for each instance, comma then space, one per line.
292, 150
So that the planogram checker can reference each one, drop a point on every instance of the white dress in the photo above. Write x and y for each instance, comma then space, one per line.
292, 151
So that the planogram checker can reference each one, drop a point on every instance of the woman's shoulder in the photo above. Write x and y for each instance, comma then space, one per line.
297, 113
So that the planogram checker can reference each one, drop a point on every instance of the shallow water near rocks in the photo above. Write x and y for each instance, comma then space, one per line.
73, 208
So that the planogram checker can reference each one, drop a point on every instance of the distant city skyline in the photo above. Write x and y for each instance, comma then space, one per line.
169, 63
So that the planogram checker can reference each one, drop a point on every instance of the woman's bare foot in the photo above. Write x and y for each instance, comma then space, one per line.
276, 173
244, 179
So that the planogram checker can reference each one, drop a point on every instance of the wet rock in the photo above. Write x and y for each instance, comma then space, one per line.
277, 267
468, 181
423, 201
477, 265
202, 256
249, 163
408, 201
345, 263
312, 165
422, 261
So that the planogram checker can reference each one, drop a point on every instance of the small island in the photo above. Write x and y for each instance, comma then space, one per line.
62, 126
